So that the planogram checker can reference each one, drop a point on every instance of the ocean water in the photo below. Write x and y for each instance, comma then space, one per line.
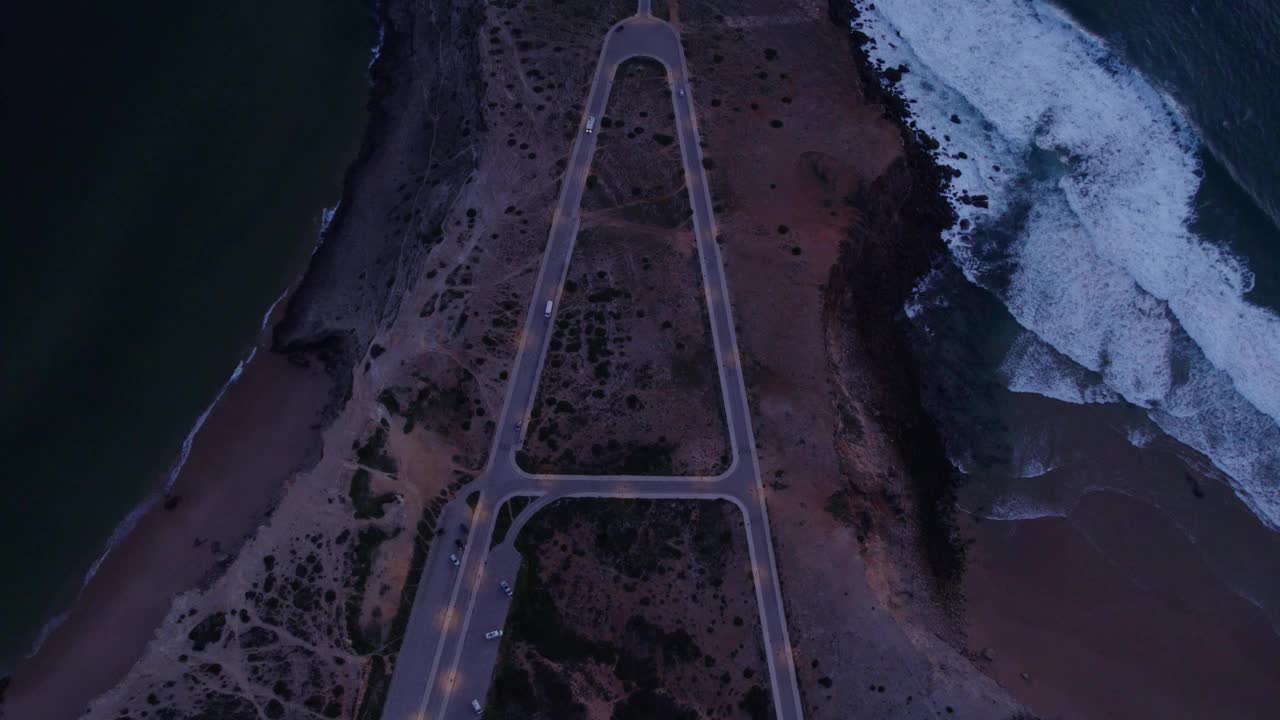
1116, 298
164, 177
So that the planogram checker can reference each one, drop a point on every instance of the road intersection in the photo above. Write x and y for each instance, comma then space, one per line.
444, 662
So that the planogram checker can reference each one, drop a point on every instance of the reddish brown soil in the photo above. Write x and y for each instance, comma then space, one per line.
824, 211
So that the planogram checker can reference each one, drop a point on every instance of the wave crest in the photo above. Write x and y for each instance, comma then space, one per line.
1090, 173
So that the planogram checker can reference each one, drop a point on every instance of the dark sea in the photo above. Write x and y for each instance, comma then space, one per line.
1109, 322
165, 170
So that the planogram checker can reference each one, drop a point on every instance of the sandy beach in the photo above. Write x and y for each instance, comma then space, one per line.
228, 486
1133, 625
274, 578
383, 309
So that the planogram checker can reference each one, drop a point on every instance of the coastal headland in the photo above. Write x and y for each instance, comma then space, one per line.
276, 577
280, 575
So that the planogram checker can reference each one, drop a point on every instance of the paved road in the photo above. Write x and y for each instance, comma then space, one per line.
444, 661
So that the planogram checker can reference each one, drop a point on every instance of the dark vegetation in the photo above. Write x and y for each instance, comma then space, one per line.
302, 635
373, 452
314, 591
446, 401
627, 354
903, 217
630, 343
507, 514
638, 542
637, 175
365, 504
346, 294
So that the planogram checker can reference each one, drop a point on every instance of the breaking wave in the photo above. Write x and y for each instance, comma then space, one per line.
1077, 178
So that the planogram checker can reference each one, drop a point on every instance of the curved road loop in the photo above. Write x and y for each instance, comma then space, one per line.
444, 662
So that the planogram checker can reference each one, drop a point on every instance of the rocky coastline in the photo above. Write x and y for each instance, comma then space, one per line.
375, 338
904, 216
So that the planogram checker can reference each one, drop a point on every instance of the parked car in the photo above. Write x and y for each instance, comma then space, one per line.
505, 587
493, 635
475, 705
453, 559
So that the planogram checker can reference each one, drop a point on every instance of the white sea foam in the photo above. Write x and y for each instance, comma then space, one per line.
130, 521
326, 217
195, 430
120, 532
126, 526
1140, 436
1097, 172
922, 297
45, 631
266, 316
1033, 366
1032, 452
376, 52
1240, 440
1022, 508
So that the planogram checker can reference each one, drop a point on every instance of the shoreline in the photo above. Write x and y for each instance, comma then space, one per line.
880, 299
1129, 603
262, 340
170, 492
224, 490
265, 425
130, 521
182, 534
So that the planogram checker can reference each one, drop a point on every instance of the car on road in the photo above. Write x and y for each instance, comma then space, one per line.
591, 124
505, 587
547, 312
453, 559
475, 705
459, 544
680, 92
493, 635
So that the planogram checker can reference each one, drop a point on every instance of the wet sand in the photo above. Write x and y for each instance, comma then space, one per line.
1097, 639
226, 489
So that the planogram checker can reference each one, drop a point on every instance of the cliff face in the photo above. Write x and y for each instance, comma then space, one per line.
420, 147
830, 210
902, 216
412, 305
413, 302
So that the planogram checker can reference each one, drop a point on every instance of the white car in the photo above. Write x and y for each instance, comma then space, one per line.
493, 635
475, 705
681, 92
454, 559
505, 587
